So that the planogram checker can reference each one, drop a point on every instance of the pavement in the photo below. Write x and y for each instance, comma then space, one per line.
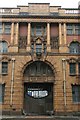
39, 118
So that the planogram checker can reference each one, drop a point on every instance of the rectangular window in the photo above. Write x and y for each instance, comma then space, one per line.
76, 93
38, 49
38, 30
70, 29
77, 29
32, 31
72, 68
7, 28
2, 89
4, 67
79, 68
1, 28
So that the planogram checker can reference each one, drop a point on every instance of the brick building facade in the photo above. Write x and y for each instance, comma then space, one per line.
40, 60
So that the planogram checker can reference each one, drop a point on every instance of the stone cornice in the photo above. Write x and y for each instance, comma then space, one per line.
39, 19
41, 16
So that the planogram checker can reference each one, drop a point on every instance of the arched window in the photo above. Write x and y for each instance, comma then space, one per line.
38, 68
75, 47
3, 47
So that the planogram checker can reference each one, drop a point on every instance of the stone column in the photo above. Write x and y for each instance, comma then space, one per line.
65, 33
48, 37
29, 37
3, 27
12, 33
60, 34
17, 33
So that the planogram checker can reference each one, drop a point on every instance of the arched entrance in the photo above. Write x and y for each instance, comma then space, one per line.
38, 88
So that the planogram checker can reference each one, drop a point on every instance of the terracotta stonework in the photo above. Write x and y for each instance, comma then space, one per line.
24, 50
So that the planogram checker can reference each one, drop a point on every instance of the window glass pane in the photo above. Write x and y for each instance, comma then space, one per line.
75, 48
38, 69
2, 88
4, 67
7, 28
77, 29
32, 31
79, 68
72, 68
38, 30
76, 93
37, 92
44, 30
38, 48
32, 48
70, 29
1, 28
3, 47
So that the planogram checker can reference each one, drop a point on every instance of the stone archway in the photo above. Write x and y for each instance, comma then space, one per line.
38, 88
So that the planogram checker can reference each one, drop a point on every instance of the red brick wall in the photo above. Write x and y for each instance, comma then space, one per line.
54, 30
72, 38
23, 29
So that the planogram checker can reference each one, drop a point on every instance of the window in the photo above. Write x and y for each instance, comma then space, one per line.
38, 30
37, 92
72, 68
3, 47
76, 93
2, 89
79, 68
38, 49
1, 28
75, 47
77, 29
32, 48
38, 68
4, 67
7, 28
32, 31
73, 29
70, 29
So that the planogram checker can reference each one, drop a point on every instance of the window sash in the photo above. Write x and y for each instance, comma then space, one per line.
38, 30
77, 31
79, 68
2, 90
1, 29
3, 47
7, 28
72, 68
76, 93
38, 48
75, 48
4, 67
69, 31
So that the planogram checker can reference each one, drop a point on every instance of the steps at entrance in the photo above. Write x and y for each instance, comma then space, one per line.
40, 118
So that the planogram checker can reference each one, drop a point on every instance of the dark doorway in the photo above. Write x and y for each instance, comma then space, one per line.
38, 98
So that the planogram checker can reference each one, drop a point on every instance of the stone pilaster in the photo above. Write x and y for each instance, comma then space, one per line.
65, 33
14, 38
17, 33
3, 27
12, 33
48, 38
29, 37
60, 34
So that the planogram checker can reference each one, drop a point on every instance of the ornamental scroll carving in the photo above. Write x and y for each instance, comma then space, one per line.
22, 42
54, 42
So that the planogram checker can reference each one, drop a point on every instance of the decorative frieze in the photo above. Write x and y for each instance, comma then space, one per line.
22, 42
55, 42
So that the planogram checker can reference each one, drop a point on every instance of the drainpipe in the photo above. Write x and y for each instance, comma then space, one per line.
12, 81
64, 81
